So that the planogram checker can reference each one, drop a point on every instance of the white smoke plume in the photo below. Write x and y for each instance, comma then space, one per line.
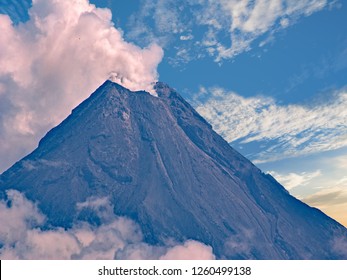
52, 62
22, 236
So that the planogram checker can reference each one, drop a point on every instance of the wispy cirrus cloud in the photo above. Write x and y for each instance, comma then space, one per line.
293, 180
250, 19
241, 22
292, 130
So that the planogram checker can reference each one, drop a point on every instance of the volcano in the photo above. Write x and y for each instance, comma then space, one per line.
163, 166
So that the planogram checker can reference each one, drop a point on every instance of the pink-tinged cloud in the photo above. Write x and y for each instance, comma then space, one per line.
190, 250
51, 63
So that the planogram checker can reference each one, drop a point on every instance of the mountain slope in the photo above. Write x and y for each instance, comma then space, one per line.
161, 164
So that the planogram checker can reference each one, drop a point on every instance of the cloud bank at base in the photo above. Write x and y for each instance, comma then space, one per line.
52, 62
22, 236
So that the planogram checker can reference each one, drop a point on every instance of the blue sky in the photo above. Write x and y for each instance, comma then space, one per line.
270, 75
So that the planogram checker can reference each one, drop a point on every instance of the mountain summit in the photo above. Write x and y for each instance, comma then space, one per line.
162, 165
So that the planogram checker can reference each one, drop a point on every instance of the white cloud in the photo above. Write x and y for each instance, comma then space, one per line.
293, 129
22, 236
241, 243
293, 180
241, 21
249, 19
190, 250
186, 37
100, 206
52, 62
14, 220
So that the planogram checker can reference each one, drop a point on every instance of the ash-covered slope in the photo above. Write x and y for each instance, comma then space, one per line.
161, 164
